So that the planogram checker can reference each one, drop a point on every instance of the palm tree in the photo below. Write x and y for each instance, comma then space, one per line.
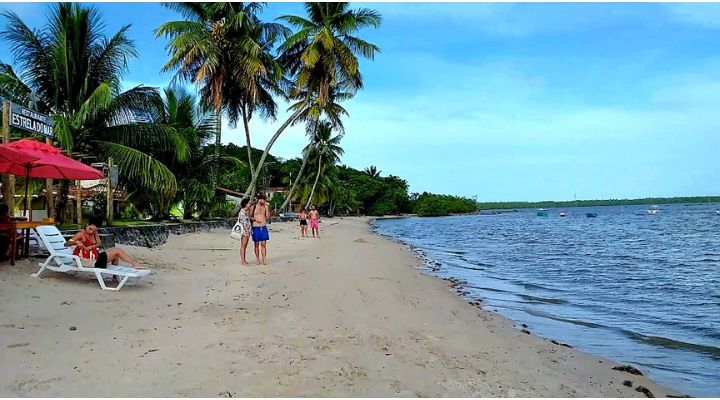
321, 58
335, 111
183, 112
254, 89
215, 48
372, 171
323, 52
72, 72
325, 147
307, 108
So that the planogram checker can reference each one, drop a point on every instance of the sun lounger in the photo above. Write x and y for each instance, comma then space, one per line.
61, 259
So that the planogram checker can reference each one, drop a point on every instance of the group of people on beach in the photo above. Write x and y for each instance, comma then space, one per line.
314, 216
253, 218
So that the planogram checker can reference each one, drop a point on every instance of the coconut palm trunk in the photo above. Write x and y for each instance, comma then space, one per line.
258, 168
296, 181
317, 178
218, 138
246, 123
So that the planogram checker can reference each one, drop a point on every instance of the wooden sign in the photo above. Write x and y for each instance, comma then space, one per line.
32, 121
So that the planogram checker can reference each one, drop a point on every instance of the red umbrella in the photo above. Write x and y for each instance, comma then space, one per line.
49, 162
12, 161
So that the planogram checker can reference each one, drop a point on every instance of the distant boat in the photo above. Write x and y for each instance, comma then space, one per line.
653, 210
542, 212
717, 212
562, 214
591, 215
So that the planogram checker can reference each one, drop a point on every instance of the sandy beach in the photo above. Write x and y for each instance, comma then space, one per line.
345, 315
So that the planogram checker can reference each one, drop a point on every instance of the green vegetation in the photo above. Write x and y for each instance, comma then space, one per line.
431, 205
73, 73
593, 203
122, 223
162, 140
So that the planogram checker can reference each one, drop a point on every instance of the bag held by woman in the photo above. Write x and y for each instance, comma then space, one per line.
237, 230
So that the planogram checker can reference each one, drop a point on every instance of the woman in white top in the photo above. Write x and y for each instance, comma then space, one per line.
246, 229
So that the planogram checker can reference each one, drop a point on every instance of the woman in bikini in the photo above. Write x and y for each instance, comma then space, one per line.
87, 242
303, 223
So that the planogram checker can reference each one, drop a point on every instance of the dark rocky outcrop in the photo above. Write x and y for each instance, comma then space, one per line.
155, 235
629, 369
645, 391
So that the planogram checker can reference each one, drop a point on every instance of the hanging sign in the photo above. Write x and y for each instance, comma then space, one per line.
113, 176
29, 120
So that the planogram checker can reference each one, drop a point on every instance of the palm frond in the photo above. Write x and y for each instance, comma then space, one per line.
151, 137
137, 166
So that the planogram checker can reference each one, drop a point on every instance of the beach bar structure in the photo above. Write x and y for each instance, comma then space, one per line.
47, 161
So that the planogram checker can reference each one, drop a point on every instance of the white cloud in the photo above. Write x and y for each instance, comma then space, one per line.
517, 19
705, 15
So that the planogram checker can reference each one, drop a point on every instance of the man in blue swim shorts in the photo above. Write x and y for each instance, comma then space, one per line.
260, 234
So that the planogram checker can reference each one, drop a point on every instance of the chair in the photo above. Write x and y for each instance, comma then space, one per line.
61, 259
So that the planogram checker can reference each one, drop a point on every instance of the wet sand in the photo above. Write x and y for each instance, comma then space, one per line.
345, 315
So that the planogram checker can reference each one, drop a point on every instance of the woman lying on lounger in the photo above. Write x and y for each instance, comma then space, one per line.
87, 242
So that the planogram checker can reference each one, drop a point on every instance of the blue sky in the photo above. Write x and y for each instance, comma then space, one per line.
511, 101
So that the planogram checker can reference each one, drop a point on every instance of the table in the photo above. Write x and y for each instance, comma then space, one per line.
13, 226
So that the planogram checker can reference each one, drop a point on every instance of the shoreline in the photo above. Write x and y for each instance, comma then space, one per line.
338, 316
456, 286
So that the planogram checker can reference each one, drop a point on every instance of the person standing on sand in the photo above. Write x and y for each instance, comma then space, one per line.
5, 235
260, 234
246, 229
315, 221
303, 223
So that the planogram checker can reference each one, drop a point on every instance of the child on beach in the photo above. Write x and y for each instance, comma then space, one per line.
246, 226
315, 221
260, 234
303, 223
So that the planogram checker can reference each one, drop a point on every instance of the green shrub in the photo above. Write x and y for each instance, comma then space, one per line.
431, 205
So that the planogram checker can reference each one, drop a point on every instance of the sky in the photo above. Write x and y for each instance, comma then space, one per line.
508, 101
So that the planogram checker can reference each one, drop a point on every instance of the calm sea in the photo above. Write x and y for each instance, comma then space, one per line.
637, 288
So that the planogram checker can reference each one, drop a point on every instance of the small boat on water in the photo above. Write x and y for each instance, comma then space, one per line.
717, 212
562, 214
653, 210
542, 212
591, 215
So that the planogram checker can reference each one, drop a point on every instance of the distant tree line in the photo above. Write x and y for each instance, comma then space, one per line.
432, 205
594, 203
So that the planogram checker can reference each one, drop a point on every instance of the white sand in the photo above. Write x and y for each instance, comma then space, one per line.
345, 315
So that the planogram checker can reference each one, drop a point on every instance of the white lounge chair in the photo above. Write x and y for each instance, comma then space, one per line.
61, 259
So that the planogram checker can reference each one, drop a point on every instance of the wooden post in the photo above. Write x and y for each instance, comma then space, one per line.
78, 203
110, 207
49, 197
8, 181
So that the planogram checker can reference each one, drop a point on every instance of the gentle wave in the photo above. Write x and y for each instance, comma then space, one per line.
541, 287
568, 320
542, 299
674, 344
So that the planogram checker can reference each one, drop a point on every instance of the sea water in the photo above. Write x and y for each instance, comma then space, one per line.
637, 288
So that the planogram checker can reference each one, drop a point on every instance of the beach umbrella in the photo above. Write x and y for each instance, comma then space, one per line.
49, 162
13, 162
